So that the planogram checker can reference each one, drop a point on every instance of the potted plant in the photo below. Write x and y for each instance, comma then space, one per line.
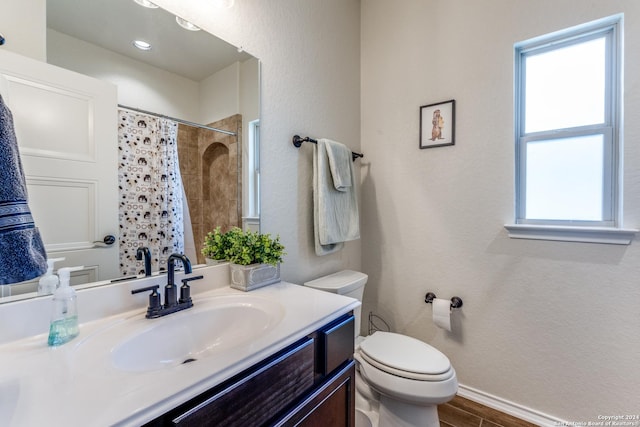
255, 258
215, 247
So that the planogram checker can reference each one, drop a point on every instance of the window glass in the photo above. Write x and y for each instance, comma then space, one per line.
565, 87
564, 178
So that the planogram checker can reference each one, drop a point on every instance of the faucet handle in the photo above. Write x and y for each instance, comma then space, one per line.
148, 288
186, 280
154, 300
185, 290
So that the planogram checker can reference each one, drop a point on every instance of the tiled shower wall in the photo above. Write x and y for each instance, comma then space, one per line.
210, 165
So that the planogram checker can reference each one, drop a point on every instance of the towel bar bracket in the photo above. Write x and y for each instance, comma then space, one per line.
298, 140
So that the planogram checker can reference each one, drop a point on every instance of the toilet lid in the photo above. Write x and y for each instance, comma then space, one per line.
404, 353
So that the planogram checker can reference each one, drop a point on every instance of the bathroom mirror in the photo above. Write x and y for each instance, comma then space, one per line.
95, 38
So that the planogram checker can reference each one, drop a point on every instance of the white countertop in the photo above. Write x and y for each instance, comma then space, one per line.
77, 385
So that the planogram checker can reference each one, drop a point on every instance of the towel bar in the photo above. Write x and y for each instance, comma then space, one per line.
298, 140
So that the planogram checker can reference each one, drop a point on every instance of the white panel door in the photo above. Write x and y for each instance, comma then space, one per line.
66, 125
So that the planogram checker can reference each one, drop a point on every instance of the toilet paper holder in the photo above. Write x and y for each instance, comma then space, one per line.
456, 302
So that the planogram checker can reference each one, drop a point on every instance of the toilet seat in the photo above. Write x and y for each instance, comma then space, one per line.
405, 357
422, 393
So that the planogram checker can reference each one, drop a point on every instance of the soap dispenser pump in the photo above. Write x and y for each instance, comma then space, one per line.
49, 282
64, 318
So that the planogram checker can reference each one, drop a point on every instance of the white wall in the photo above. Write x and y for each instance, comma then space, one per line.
149, 88
310, 70
224, 98
232, 90
250, 90
139, 85
23, 24
552, 326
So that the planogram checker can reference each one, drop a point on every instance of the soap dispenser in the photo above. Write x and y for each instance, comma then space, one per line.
49, 282
64, 318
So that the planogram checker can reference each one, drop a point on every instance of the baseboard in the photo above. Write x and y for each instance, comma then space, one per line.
514, 409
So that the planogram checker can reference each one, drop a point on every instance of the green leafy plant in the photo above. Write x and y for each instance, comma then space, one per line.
248, 247
216, 245
243, 247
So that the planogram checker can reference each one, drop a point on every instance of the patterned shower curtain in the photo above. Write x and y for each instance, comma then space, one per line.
151, 196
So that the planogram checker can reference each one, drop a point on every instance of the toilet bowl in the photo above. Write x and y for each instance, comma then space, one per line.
400, 380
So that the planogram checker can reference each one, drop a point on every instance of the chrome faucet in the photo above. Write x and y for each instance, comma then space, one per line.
143, 251
171, 301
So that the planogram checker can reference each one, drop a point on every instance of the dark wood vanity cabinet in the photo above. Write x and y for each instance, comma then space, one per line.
310, 383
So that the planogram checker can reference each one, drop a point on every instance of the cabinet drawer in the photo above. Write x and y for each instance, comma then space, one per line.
336, 344
259, 395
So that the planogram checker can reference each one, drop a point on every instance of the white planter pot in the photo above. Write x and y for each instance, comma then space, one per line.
249, 277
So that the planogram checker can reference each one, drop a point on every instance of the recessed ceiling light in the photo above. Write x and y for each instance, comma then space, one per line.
146, 3
142, 45
186, 24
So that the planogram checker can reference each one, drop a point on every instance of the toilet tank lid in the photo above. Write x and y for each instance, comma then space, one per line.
341, 282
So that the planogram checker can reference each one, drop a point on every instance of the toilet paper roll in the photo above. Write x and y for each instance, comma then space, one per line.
442, 313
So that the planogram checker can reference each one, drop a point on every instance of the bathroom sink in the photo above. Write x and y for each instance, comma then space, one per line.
210, 327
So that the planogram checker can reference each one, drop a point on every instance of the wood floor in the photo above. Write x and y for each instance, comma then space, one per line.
461, 412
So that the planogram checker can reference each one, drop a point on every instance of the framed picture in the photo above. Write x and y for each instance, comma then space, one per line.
437, 124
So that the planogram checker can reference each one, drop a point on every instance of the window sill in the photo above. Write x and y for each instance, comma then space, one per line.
612, 236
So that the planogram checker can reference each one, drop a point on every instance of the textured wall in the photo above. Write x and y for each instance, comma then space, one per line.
310, 69
23, 24
552, 326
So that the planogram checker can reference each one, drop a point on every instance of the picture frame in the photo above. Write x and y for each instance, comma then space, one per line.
438, 124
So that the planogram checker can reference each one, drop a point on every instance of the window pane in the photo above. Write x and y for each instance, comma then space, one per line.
565, 87
564, 179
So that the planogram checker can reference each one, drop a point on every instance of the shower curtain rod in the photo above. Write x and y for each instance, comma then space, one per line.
185, 122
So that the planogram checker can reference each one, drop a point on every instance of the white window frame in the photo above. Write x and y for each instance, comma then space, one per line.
254, 169
609, 230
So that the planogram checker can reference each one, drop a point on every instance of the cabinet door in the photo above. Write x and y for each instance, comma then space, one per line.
331, 405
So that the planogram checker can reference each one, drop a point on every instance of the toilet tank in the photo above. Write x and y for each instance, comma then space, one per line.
346, 282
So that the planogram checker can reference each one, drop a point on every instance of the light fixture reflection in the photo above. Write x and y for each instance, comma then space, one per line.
142, 45
146, 3
186, 24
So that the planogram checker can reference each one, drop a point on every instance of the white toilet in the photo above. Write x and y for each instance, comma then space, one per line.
400, 380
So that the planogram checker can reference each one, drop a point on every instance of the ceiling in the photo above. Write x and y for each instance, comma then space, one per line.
114, 24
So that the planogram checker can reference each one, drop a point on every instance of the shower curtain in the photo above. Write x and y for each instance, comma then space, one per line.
150, 191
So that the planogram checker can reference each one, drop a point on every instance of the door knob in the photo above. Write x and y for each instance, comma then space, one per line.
108, 240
